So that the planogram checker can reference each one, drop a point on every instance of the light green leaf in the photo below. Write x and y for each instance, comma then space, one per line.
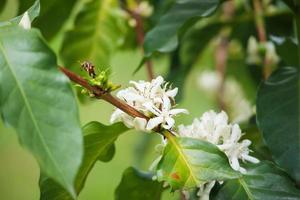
37, 100
278, 118
164, 36
187, 163
96, 34
263, 181
98, 139
54, 13
136, 185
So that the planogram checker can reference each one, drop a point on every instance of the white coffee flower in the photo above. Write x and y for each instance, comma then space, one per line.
164, 115
214, 128
204, 190
154, 99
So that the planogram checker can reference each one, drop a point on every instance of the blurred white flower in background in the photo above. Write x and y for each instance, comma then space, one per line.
257, 52
144, 9
239, 108
154, 99
215, 128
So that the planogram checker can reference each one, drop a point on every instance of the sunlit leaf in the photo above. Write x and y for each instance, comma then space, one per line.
96, 34
136, 185
187, 163
37, 100
262, 181
278, 118
98, 141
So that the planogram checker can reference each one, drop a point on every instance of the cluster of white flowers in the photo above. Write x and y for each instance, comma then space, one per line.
144, 9
257, 52
239, 108
154, 99
214, 128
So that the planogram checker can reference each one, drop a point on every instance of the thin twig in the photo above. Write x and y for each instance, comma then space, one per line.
221, 54
221, 63
101, 94
261, 32
140, 36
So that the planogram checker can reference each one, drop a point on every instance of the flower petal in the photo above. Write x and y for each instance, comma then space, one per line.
139, 123
177, 111
153, 122
172, 93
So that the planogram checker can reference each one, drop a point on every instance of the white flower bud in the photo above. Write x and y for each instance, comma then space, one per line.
25, 21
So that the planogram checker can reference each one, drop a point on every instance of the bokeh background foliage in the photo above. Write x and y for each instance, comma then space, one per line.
99, 31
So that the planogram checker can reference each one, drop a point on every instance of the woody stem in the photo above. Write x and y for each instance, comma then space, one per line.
261, 31
140, 36
101, 94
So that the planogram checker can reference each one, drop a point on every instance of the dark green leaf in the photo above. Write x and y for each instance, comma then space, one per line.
164, 36
37, 100
287, 49
98, 140
293, 4
187, 163
2, 5
262, 182
96, 34
278, 118
53, 15
136, 185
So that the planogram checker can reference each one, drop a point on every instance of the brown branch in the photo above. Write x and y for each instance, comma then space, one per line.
101, 94
221, 56
221, 53
261, 32
140, 36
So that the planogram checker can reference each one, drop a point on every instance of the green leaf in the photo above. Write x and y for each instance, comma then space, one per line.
164, 36
136, 185
278, 118
37, 100
2, 5
287, 49
33, 13
98, 140
96, 34
262, 181
187, 163
54, 13
293, 4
